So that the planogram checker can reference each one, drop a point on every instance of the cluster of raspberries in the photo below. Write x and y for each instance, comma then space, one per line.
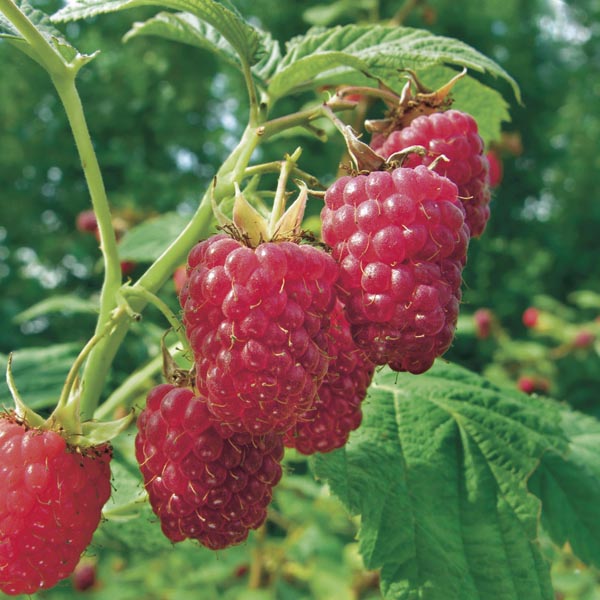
286, 335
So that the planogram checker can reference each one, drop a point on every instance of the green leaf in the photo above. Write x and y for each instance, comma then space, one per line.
569, 488
63, 304
185, 28
147, 241
384, 49
43, 24
245, 39
307, 68
39, 374
438, 474
129, 522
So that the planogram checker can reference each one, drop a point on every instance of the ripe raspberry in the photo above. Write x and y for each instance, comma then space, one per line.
50, 504
86, 221
530, 317
202, 484
495, 168
257, 320
401, 242
483, 319
336, 411
455, 135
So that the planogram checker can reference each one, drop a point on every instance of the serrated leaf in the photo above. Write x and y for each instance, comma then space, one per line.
438, 472
64, 304
187, 29
385, 50
569, 488
243, 37
39, 374
44, 25
147, 241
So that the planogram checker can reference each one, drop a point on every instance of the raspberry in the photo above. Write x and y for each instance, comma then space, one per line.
483, 319
336, 412
257, 320
455, 135
50, 505
495, 168
530, 317
401, 242
203, 484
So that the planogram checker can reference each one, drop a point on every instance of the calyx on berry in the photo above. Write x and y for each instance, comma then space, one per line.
411, 105
65, 419
247, 224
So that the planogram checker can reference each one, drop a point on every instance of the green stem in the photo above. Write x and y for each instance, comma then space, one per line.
134, 383
275, 167
149, 297
108, 243
74, 370
286, 167
100, 359
303, 118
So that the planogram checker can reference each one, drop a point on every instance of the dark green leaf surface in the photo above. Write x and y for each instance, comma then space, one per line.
569, 488
39, 374
146, 242
438, 473
384, 49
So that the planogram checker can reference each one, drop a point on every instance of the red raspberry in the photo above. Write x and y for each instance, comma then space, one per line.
257, 320
483, 319
50, 504
527, 384
530, 317
336, 411
179, 278
495, 171
86, 221
202, 484
401, 242
455, 135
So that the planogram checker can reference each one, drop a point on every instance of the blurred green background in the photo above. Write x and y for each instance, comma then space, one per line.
163, 117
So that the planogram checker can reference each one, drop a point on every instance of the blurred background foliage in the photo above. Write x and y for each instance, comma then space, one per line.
163, 117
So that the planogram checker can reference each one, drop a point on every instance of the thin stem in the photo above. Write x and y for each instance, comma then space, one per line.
252, 96
275, 167
303, 118
99, 361
257, 564
136, 382
162, 306
286, 166
92, 384
74, 370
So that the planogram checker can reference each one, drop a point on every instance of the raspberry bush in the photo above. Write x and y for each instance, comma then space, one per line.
310, 311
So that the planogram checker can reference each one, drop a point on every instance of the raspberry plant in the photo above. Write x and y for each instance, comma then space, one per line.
279, 333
